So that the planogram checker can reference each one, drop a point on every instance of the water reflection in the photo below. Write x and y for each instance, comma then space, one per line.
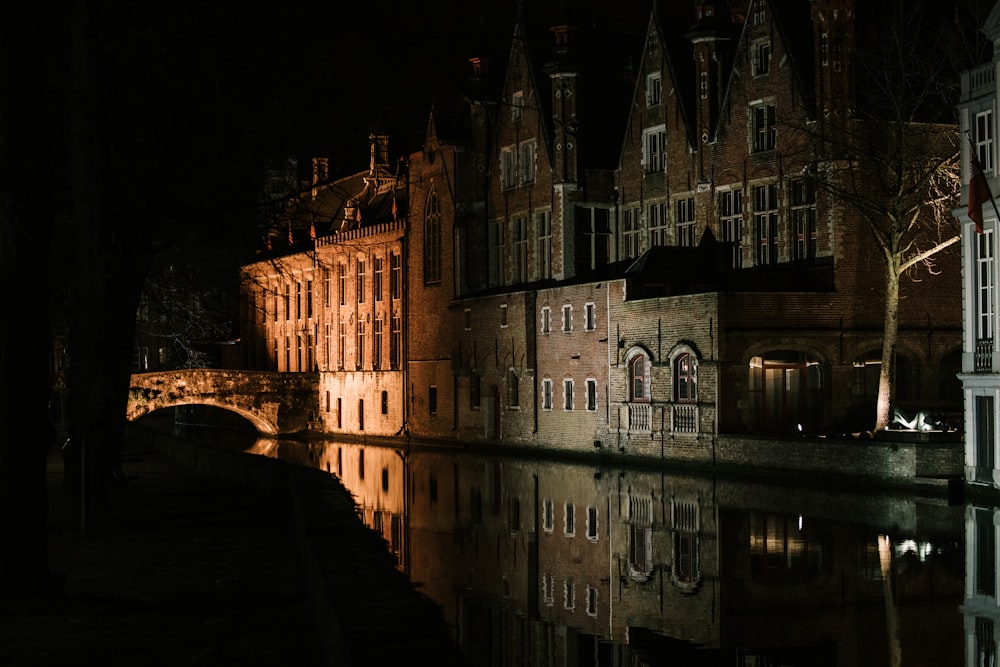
555, 562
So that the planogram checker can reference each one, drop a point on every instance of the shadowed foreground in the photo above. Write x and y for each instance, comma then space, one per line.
187, 568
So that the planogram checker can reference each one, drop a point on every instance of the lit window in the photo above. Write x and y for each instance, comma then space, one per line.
685, 378
639, 378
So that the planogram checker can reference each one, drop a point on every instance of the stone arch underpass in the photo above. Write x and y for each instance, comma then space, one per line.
275, 403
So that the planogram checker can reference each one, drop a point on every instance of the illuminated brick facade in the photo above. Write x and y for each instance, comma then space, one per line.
639, 263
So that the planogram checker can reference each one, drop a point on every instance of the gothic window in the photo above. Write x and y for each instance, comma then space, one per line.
685, 378
432, 239
638, 376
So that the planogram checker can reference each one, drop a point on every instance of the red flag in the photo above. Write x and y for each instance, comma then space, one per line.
979, 189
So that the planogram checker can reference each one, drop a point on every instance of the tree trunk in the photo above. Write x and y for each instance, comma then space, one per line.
887, 369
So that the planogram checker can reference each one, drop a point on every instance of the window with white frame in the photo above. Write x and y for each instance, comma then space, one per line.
342, 345
657, 218
526, 161
654, 146
631, 229
592, 523
548, 515
654, 88
589, 316
546, 394
569, 519
685, 378
377, 283
395, 275
984, 139
731, 222
765, 215
640, 547
802, 201
763, 127
591, 601
508, 165
638, 375
543, 223
984, 284
546, 320
684, 219
497, 232
360, 283
467, 319
569, 594
377, 344
591, 394
548, 586
520, 258
567, 394
760, 53
359, 352
503, 315
567, 318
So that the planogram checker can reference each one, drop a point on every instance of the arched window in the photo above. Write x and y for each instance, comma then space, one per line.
685, 378
638, 375
432, 239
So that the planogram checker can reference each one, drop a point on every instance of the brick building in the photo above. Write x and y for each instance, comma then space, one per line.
620, 243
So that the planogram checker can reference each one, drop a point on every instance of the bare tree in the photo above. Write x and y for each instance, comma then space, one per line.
891, 155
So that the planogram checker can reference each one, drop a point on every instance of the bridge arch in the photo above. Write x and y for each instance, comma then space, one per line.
275, 403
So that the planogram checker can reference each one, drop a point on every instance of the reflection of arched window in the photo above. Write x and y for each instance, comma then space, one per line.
685, 573
638, 376
640, 534
432, 239
685, 378
787, 391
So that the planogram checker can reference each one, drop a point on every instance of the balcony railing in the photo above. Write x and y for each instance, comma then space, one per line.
978, 81
983, 359
685, 418
639, 417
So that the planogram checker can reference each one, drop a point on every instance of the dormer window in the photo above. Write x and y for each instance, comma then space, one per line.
654, 89
761, 55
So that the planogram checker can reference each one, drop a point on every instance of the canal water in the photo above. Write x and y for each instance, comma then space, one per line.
539, 560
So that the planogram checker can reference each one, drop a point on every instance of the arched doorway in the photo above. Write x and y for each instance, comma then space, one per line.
787, 391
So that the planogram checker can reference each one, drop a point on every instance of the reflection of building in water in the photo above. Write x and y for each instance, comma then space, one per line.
556, 563
376, 478
982, 596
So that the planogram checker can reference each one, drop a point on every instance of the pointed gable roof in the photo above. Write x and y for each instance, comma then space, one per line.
792, 21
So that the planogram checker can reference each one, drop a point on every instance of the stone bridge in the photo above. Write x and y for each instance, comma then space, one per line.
275, 403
